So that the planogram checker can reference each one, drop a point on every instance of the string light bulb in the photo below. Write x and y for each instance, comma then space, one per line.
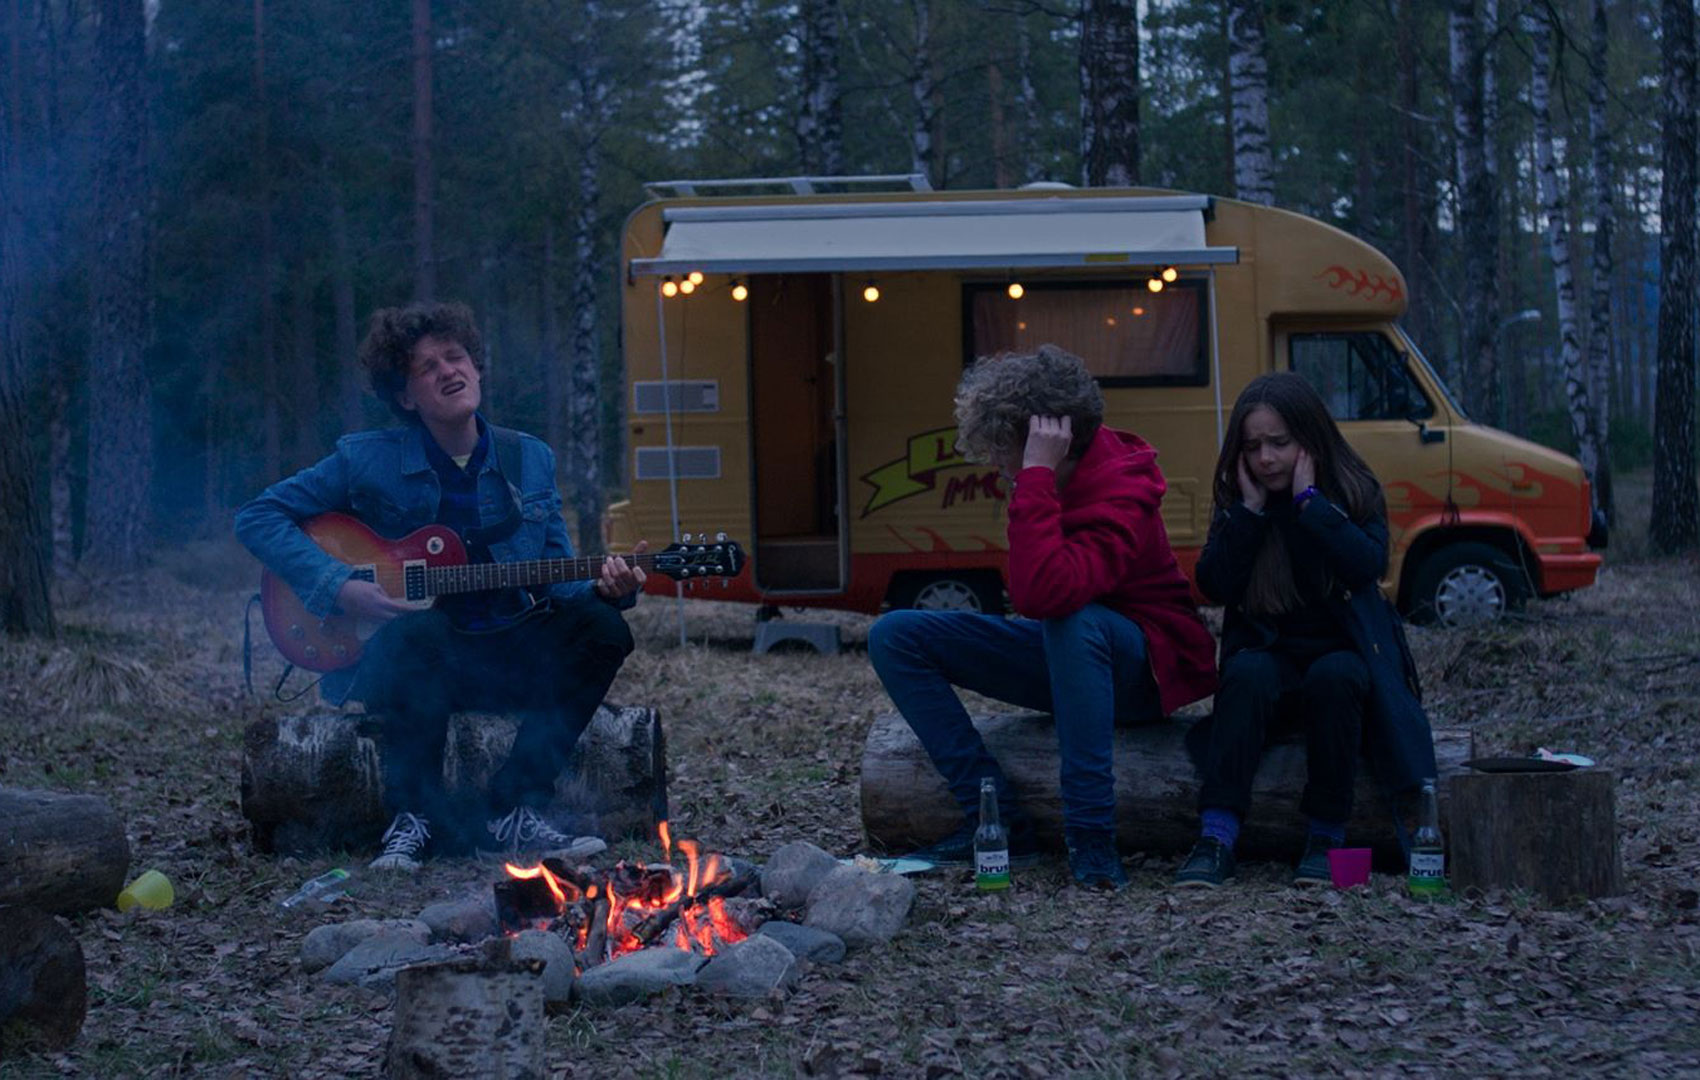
1016, 291
1170, 274
695, 277
1155, 284
687, 286
740, 291
871, 292
669, 288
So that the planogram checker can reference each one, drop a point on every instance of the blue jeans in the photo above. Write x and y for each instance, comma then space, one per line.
1089, 670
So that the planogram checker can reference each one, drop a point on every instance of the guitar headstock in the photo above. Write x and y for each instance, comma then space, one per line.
688, 560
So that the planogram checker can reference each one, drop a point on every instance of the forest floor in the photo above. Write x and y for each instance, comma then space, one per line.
1046, 980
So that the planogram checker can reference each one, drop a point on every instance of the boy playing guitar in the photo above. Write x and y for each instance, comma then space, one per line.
552, 652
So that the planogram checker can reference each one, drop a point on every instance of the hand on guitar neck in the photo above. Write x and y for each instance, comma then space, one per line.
620, 578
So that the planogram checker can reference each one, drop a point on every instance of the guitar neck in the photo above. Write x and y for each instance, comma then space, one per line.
484, 577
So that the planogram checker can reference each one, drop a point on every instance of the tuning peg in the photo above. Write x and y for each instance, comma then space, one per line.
684, 538
720, 538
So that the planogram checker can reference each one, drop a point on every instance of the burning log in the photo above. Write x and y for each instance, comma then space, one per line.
906, 805
60, 853
471, 1016
596, 939
43, 982
313, 783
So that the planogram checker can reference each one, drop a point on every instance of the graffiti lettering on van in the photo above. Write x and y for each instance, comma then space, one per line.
968, 488
916, 471
1365, 286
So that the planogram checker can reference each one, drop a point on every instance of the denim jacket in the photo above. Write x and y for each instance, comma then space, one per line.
383, 478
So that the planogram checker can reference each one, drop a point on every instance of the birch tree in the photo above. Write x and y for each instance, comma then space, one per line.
1477, 232
1109, 93
120, 398
1675, 524
1543, 34
923, 95
820, 113
1248, 78
1599, 308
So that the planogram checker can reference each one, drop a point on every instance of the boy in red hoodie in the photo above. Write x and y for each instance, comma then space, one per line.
1109, 632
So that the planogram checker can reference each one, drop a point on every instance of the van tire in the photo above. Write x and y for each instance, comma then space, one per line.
1469, 583
973, 591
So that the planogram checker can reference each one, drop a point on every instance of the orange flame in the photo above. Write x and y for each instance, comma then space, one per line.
558, 887
666, 841
689, 847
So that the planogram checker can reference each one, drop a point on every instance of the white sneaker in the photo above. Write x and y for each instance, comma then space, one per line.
404, 842
525, 831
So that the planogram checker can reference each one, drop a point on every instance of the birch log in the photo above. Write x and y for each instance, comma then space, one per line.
905, 803
472, 1016
313, 782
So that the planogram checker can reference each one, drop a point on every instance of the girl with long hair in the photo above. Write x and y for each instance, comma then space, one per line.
1296, 552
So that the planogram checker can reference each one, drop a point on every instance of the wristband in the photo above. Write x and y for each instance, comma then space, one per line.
1304, 496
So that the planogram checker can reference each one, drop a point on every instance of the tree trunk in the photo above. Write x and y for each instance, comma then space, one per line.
1675, 522
342, 298
584, 427
43, 983
476, 1015
424, 167
1600, 333
1554, 834
1248, 75
120, 397
1027, 97
554, 404
1413, 191
923, 94
313, 783
820, 115
271, 405
905, 803
60, 853
1477, 231
1109, 93
1554, 208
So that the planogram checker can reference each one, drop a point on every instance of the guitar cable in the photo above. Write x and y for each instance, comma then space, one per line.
248, 659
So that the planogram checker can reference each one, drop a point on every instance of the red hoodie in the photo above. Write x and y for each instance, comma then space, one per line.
1101, 540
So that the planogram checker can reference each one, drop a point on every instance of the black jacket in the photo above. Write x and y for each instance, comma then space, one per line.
1397, 739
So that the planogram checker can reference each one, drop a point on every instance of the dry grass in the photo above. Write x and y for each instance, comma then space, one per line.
1045, 981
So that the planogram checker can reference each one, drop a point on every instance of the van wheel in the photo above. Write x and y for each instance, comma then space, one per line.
1467, 584
974, 592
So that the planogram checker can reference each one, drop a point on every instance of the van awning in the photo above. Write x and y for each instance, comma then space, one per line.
1163, 230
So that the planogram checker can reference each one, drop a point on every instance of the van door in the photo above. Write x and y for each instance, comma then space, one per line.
1383, 412
794, 436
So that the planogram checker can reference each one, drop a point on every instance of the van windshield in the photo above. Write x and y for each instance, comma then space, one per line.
1416, 354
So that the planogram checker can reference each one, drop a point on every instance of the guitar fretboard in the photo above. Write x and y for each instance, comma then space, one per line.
482, 577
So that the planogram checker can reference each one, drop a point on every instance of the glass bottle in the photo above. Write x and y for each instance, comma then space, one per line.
1428, 849
324, 888
991, 843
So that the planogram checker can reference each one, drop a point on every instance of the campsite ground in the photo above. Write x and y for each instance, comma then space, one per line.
1047, 980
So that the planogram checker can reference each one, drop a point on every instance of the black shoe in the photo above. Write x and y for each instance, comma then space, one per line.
957, 849
1313, 864
1093, 859
1208, 867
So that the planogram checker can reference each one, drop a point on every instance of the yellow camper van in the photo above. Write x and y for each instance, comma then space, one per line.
791, 359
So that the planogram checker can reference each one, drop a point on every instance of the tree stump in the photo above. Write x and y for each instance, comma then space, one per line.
313, 782
43, 982
471, 1016
1552, 833
60, 853
905, 803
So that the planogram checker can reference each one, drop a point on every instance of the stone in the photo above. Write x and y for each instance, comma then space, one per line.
325, 945
558, 963
637, 975
374, 962
467, 920
753, 968
793, 872
860, 906
806, 942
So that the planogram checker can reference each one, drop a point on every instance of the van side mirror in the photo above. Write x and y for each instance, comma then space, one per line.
1424, 434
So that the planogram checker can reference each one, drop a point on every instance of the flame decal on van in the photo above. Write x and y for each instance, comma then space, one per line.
915, 472
1365, 286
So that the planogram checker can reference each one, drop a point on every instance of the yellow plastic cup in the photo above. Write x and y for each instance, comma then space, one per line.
151, 890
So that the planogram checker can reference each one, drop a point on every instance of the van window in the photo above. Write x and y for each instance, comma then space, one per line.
1128, 335
1360, 375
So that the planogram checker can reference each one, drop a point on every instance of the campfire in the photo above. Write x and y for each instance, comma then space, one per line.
607, 913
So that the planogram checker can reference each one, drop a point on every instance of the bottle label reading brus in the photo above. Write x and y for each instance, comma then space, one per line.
1428, 873
991, 869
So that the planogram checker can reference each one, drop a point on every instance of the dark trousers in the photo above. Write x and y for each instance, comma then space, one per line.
1090, 670
554, 667
1323, 693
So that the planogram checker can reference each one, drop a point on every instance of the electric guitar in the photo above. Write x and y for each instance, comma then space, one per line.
431, 562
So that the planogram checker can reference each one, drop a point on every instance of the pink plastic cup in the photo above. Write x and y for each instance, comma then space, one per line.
1349, 866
